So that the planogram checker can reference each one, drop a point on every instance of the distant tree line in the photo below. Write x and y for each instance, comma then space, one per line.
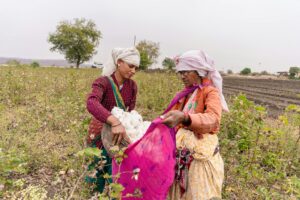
16, 63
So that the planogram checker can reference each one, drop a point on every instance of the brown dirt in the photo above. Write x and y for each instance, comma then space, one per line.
275, 94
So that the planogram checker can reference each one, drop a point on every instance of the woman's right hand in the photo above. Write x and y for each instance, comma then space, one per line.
118, 134
117, 130
173, 118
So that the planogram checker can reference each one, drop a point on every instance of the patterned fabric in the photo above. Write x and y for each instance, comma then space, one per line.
206, 171
118, 98
101, 100
184, 159
94, 137
207, 115
191, 104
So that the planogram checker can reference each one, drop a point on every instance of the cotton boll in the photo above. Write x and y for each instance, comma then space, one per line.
145, 125
136, 115
132, 122
127, 125
117, 112
131, 134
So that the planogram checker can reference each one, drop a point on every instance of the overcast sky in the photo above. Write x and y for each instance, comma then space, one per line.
261, 34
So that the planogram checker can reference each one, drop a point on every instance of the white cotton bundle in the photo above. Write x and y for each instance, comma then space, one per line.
133, 122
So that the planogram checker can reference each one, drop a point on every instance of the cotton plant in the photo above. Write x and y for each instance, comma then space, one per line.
133, 122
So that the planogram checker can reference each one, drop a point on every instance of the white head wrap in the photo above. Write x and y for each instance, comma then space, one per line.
197, 60
128, 55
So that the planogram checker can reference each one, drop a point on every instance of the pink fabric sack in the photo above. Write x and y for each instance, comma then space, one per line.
154, 155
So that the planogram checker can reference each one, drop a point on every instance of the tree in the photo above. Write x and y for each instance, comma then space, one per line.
145, 61
149, 52
294, 72
35, 64
13, 62
229, 71
77, 40
264, 72
168, 63
246, 71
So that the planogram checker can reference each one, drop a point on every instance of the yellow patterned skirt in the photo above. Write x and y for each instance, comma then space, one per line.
206, 172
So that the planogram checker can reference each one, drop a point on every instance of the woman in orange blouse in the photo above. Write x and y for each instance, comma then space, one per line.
196, 117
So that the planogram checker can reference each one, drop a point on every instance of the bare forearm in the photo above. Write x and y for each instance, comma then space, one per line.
112, 120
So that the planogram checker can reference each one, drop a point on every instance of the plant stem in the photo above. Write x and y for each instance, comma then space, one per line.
77, 182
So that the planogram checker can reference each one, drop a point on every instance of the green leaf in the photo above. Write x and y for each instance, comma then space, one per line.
89, 152
106, 176
116, 190
284, 120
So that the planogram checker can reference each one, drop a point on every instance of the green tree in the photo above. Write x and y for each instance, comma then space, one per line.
35, 64
294, 71
145, 62
246, 71
13, 62
77, 40
168, 63
149, 52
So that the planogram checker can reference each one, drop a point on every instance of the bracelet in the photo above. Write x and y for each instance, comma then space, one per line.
187, 120
116, 125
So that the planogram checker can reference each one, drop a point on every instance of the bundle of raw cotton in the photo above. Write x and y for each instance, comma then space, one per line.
133, 122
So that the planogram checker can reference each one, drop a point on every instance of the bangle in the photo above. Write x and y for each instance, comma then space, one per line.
116, 125
186, 120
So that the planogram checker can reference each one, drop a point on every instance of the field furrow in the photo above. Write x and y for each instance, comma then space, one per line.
274, 94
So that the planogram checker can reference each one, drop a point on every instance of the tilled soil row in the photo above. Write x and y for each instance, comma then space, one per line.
274, 94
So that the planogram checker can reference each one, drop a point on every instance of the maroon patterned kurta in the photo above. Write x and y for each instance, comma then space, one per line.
101, 101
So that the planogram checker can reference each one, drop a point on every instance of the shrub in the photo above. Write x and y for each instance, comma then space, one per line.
35, 64
168, 63
264, 73
294, 72
14, 63
246, 71
259, 155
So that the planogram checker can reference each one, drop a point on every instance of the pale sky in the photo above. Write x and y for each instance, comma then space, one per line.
260, 34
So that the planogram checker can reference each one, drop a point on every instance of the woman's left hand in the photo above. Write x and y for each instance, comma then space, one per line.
173, 118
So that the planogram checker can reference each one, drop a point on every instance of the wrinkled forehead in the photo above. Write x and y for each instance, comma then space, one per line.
184, 67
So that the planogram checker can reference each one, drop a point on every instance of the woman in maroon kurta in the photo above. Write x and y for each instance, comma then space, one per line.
102, 100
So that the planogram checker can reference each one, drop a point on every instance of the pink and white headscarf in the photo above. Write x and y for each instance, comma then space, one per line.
197, 60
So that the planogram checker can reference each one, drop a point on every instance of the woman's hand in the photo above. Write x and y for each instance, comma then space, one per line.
173, 118
118, 134
117, 130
